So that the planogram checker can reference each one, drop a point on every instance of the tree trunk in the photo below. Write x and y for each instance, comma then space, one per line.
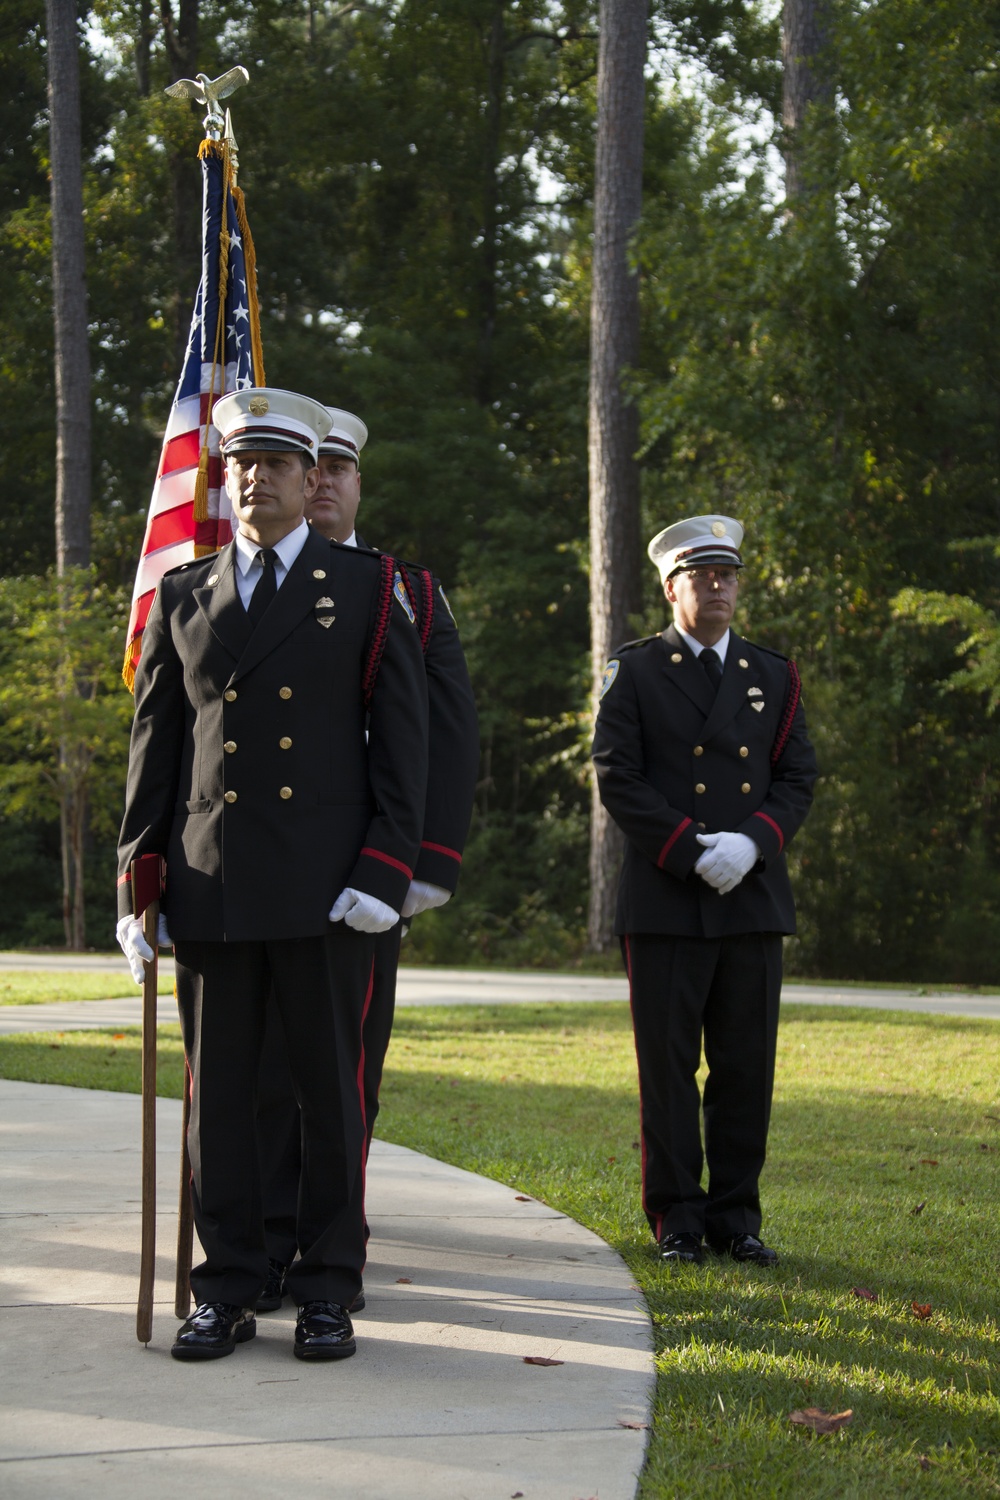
615, 540
806, 80
69, 291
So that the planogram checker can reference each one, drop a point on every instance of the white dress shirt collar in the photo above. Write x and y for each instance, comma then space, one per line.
720, 648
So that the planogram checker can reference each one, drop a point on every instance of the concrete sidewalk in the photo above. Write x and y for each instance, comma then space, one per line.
463, 1282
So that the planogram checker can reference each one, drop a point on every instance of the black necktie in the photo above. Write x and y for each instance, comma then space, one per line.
265, 588
709, 660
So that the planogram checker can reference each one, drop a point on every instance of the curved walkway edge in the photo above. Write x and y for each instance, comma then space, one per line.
465, 1281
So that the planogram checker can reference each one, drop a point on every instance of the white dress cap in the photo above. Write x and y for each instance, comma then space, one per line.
347, 435
699, 541
266, 418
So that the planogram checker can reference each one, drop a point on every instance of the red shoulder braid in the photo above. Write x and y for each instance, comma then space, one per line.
383, 614
785, 727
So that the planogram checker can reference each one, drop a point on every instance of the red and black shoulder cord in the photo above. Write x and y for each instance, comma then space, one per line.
383, 614
425, 610
785, 727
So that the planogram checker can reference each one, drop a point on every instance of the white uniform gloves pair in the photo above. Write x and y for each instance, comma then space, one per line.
134, 945
366, 914
727, 858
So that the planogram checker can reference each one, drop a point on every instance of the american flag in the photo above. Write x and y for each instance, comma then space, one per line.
218, 359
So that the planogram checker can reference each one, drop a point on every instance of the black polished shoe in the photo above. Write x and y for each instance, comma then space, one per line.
274, 1287
357, 1303
214, 1329
747, 1249
682, 1249
324, 1332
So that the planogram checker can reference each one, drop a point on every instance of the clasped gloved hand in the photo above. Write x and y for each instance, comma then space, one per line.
727, 858
422, 896
134, 945
363, 912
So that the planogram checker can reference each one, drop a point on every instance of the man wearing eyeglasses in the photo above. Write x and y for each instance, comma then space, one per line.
704, 762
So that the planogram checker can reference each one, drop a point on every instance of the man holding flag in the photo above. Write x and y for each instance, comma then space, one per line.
289, 840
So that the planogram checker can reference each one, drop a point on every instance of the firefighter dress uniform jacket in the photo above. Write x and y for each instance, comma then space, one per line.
249, 769
674, 758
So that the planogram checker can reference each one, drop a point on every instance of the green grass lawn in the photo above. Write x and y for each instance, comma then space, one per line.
55, 987
877, 1115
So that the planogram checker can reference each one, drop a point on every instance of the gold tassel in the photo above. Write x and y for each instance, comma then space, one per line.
130, 664
201, 483
250, 256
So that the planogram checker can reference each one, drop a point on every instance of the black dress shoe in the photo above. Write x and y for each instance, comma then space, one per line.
324, 1332
214, 1329
682, 1249
274, 1287
747, 1249
357, 1302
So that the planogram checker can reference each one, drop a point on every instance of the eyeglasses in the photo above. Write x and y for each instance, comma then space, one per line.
726, 576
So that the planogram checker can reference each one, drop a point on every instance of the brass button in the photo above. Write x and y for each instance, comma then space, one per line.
744, 751
230, 695
284, 692
744, 663
285, 793
285, 742
699, 750
701, 825
676, 657
700, 787
318, 573
745, 787
229, 746
230, 796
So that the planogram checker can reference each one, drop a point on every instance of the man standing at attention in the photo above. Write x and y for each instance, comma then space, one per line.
453, 745
290, 839
703, 761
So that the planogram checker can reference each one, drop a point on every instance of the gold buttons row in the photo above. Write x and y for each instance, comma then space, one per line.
231, 694
700, 787
283, 744
700, 750
283, 792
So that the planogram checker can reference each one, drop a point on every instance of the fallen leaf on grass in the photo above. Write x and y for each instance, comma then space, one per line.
919, 1209
927, 1161
539, 1359
924, 1461
404, 1280
118, 1036
633, 1426
819, 1420
983, 1146
612, 1159
922, 1310
863, 1291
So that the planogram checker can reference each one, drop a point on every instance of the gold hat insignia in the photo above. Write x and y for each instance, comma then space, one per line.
259, 406
718, 528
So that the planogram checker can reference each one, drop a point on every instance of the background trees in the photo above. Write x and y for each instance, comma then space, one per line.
420, 183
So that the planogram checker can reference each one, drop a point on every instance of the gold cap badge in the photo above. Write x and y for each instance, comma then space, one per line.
718, 528
259, 406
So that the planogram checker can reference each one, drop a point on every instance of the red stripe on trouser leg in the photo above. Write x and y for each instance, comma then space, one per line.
361, 1087
642, 1133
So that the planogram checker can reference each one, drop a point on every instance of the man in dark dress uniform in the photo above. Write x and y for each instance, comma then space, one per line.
289, 841
451, 782
703, 761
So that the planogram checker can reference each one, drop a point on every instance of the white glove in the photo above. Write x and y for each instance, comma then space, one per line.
424, 897
134, 945
362, 912
727, 858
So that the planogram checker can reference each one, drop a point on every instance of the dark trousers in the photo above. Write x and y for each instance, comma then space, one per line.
727, 990
279, 1125
321, 986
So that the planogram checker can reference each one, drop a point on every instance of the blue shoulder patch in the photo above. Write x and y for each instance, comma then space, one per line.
610, 673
